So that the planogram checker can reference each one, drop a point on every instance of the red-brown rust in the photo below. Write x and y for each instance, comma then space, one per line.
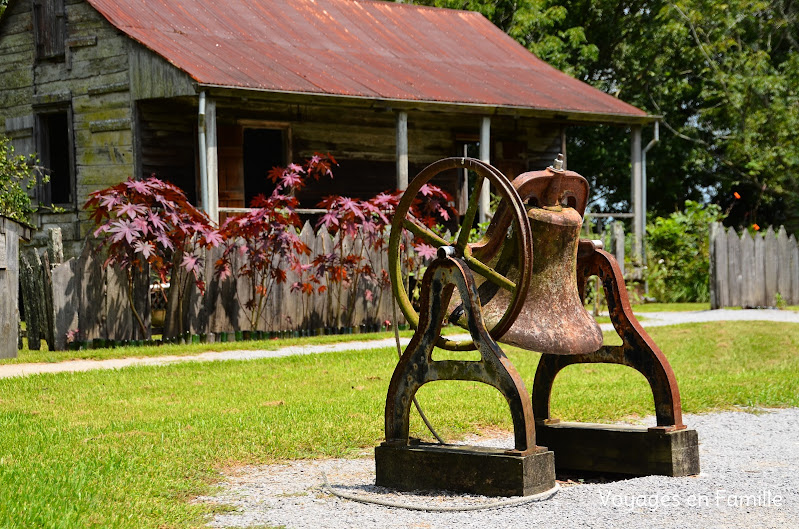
553, 319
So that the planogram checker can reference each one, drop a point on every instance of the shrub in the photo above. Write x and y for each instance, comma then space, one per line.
678, 253
18, 174
263, 244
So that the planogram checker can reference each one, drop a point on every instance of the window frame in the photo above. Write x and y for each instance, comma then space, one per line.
50, 29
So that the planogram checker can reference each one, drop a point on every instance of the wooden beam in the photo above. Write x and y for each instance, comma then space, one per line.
212, 165
637, 192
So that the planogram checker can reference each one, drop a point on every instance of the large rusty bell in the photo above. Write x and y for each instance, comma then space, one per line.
553, 319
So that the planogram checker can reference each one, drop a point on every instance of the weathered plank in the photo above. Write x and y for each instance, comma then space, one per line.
153, 77
66, 301
748, 271
760, 267
734, 267
772, 260
783, 265
10, 234
91, 294
715, 294
794, 267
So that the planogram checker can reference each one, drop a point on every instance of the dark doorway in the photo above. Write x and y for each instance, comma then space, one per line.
55, 156
263, 150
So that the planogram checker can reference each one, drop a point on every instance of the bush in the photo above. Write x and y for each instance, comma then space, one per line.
678, 254
17, 176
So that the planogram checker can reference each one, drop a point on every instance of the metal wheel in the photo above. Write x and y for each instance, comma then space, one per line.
501, 260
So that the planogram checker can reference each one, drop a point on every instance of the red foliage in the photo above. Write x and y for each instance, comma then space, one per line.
152, 219
266, 239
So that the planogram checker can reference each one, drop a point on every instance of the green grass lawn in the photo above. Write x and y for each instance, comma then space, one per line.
133, 447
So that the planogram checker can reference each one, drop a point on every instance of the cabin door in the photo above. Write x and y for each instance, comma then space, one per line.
230, 159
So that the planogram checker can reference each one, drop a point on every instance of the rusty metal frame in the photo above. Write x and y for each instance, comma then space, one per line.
638, 350
417, 367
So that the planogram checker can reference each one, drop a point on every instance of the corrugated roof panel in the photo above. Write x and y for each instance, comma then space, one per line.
357, 48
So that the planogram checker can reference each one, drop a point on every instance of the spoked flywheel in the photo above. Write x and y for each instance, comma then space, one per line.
501, 260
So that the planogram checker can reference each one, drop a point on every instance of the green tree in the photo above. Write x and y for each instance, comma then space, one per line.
17, 176
723, 76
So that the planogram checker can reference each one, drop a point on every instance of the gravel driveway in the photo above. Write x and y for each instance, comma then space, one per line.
749, 480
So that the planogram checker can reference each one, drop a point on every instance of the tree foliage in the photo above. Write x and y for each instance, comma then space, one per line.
152, 221
723, 76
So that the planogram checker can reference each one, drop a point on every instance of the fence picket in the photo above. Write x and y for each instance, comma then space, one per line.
734, 267
722, 267
748, 271
770, 252
794, 268
783, 268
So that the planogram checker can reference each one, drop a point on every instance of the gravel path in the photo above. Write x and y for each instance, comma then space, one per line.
653, 319
748, 480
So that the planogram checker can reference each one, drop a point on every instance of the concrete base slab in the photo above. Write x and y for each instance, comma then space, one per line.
472, 469
630, 450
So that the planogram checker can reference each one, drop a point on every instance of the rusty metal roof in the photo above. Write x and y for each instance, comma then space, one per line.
355, 48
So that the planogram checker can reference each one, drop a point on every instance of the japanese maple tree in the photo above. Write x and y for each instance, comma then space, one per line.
263, 244
152, 221
362, 227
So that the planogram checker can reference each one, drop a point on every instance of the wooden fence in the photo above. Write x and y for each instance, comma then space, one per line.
222, 309
81, 295
753, 271
78, 295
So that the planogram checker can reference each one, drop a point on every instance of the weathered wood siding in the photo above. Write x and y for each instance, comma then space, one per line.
17, 55
91, 82
168, 142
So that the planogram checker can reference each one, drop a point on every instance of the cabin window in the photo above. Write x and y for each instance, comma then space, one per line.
50, 28
55, 154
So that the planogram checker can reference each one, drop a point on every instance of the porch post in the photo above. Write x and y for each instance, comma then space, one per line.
402, 150
211, 160
636, 193
209, 174
485, 156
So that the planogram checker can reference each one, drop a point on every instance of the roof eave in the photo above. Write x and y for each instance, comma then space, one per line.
568, 116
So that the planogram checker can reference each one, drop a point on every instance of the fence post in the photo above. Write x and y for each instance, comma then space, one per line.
618, 244
794, 267
734, 267
722, 268
714, 291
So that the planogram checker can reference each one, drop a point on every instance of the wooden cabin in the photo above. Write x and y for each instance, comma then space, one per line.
211, 95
